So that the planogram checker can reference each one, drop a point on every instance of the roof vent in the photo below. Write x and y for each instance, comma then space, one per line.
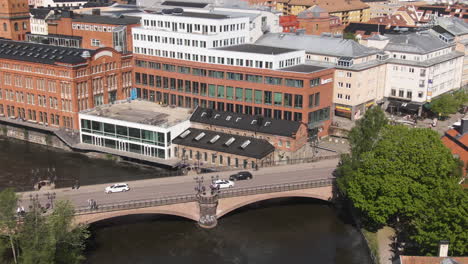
86, 54
214, 139
216, 116
229, 142
228, 118
177, 11
245, 144
253, 122
267, 123
185, 134
167, 11
237, 119
200, 136
203, 114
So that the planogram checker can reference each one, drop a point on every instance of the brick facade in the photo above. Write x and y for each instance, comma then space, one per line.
14, 19
53, 94
172, 81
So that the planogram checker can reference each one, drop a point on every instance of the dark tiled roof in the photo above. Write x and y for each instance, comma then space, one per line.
39, 13
304, 68
256, 148
259, 49
107, 20
184, 4
40, 53
258, 124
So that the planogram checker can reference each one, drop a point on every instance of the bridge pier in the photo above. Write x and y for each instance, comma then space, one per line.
208, 204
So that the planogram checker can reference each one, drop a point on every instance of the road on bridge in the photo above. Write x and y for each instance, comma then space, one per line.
181, 185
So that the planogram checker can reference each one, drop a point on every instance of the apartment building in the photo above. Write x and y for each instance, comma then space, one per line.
452, 29
420, 67
65, 28
359, 78
189, 59
14, 19
49, 85
346, 10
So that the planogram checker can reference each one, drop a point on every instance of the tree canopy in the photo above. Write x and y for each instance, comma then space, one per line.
447, 104
404, 176
42, 238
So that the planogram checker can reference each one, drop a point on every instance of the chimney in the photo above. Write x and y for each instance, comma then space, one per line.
464, 125
96, 12
443, 248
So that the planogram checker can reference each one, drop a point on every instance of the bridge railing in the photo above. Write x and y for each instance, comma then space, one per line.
283, 187
134, 204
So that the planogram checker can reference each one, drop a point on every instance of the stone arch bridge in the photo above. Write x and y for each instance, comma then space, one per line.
207, 208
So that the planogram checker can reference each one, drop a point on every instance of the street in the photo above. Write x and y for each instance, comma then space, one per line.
179, 185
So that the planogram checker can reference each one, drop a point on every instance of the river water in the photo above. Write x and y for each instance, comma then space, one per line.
289, 231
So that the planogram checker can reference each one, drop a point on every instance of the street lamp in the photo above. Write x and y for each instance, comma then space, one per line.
51, 198
199, 188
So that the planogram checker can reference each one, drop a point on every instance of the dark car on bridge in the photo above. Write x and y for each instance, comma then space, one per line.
242, 175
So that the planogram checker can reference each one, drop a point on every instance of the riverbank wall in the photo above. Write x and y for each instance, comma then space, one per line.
29, 134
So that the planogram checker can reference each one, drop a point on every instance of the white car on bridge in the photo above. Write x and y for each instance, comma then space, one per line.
222, 184
119, 187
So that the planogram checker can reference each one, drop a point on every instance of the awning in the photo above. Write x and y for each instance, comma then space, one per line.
410, 107
369, 104
342, 108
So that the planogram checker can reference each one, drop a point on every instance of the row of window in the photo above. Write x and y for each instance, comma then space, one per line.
221, 160
232, 93
141, 78
189, 28
193, 102
127, 133
214, 59
41, 117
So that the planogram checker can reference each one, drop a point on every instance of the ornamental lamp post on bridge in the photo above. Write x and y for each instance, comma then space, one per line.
207, 203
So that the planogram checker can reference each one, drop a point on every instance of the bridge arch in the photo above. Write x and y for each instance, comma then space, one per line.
228, 205
185, 210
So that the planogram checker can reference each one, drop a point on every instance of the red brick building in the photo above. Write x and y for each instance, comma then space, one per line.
301, 93
49, 85
14, 19
89, 31
456, 140
314, 21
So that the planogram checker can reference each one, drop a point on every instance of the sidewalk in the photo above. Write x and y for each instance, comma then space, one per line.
385, 241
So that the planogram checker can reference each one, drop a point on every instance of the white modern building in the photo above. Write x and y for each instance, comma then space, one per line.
208, 37
138, 128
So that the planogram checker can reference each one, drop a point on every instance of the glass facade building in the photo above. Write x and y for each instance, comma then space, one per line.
126, 138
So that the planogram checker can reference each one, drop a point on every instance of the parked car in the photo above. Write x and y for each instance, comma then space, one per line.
222, 184
119, 187
242, 175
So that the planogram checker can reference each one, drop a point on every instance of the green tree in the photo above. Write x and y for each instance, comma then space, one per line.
362, 138
349, 35
444, 216
53, 238
8, 221
366, 132
407, 179
445, 105
398, 172
41, 238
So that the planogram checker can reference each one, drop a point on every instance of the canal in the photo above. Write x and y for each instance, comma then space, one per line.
296, 230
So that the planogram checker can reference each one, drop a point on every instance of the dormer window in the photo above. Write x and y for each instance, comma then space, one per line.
345, 61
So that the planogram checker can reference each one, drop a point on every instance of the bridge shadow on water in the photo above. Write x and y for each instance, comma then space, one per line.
275, 231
